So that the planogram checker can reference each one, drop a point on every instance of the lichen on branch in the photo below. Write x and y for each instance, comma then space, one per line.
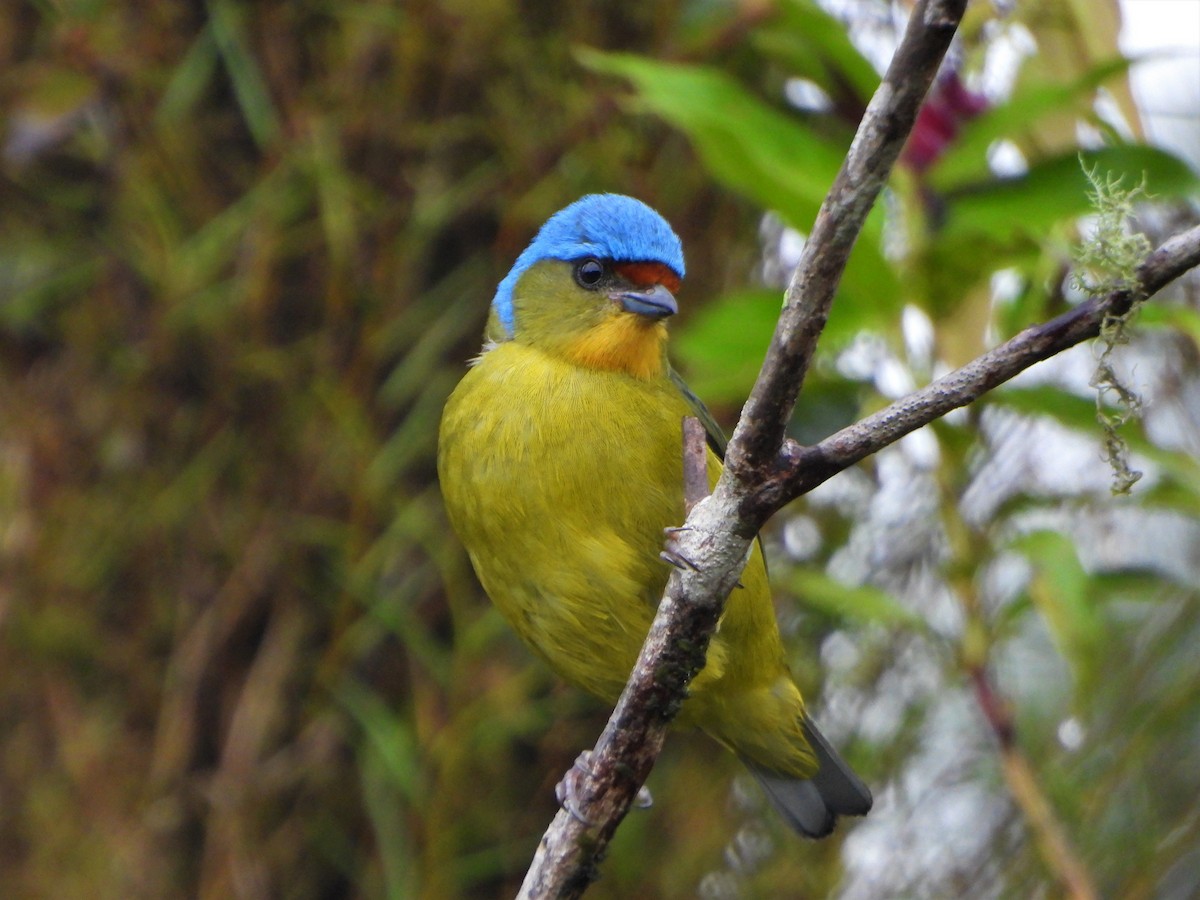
1107, 262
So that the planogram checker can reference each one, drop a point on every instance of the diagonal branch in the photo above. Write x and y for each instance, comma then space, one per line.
604, 782
1048, 833
764, 471
800, 469
602, 788
881, 135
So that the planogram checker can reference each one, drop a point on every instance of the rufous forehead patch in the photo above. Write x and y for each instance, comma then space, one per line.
645, 274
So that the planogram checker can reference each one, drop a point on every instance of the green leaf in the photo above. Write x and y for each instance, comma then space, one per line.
390, 738
1053, 190
722, 346
862, 603
966, 157
189, 80
1070, 410
1178, 474
771, 158
815, 45
1067, 599
1180, 318
249, 86
759, 151
1177, 483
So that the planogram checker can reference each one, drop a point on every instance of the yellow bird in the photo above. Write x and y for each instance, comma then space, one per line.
559, 460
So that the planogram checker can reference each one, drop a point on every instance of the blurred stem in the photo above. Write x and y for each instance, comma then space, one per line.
1051, 838
800, 469
969, 546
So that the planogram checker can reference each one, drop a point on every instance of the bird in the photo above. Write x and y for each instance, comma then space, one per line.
560, 465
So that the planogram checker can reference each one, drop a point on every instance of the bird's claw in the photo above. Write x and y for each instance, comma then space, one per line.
567, 790
680, 562
670, 553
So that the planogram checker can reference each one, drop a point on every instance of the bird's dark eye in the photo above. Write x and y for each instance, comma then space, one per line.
588, 273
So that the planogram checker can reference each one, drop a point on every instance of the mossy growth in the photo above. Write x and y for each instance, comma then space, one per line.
1107, 263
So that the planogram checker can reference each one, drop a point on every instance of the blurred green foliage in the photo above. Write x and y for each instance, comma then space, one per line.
245, 253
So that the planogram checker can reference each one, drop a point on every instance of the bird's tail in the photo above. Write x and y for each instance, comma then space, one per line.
811, 805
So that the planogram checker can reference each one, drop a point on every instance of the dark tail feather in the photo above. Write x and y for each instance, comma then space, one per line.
811, 806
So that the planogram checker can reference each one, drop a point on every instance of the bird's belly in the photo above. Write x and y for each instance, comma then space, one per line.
561, 507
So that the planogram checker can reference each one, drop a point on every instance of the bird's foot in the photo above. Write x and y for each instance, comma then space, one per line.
670, 552
567, 790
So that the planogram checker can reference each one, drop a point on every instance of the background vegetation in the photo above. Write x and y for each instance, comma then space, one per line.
245, 252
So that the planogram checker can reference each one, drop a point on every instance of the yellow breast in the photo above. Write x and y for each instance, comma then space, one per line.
623, 342
560, 479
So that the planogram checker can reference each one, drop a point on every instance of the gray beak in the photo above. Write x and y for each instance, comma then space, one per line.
654, 303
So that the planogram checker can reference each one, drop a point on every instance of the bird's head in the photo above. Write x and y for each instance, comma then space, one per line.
595, 287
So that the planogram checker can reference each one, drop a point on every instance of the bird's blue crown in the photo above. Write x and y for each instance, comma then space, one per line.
606, 226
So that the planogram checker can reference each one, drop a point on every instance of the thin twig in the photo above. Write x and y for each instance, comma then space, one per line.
1052, 841
881, 135
800, 469
695, 463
